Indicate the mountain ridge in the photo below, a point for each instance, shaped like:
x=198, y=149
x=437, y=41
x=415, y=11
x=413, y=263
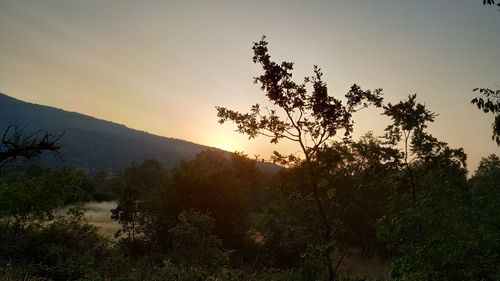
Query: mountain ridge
x=91, y=143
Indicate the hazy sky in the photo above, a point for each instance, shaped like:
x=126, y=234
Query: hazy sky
x=162, y=66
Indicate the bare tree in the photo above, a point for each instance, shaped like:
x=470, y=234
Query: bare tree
x=15, y=143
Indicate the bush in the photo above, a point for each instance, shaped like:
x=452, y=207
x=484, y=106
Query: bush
x=194, y=243
x=65, y=249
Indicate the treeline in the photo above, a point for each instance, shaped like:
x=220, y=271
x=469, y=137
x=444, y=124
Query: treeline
x=218, y=216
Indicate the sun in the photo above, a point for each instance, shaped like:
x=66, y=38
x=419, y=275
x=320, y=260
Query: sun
x=226, y=142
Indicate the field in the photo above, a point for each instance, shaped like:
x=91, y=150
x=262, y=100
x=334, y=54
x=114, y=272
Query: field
x=99, y=214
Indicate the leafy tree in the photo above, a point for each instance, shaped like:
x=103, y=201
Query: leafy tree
x=33, y=238
x=139, y=185
x=35, y=194
x=432, y=221
x=152, y=199
x=354, y=177
x=486, y=192
x=194, y=244
x=490, y=103
x=487, y=174
x=358, y=177
x=218, y=183
x=307, y=115
x=485, y=215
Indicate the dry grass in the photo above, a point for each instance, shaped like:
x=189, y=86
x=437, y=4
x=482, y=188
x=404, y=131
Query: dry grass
x=99, y=214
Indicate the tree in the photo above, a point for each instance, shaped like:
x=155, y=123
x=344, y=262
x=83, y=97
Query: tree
x=485, y=190
x=490, y=103
x=434, y=222
x=358, y=176
x=353, y=177
x=490, y=100
x=303, y=113
x=139, y=186
x=194, y=243
x=152, y=198
x=15, y=144
x=491, y=3
x=34, y=195
x=217, y=183
x=35, y=237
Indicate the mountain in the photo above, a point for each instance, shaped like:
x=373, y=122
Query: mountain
x=92, y=144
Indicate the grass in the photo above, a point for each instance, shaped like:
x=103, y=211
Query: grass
x=99, y=214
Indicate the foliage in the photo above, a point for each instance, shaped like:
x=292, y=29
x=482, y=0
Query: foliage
x=484, y=213
x=138, y=187
x=312, y=116
x=64, y=249
x=220, y=184
x=354, y=177
x=193, y=242
x=303, y=113
x=490, y=103
x=152, y=200
x=491, y=2
x=101, y=187
x=285, y=241
x=36, y=193
x=357, y=176
x=431, y=218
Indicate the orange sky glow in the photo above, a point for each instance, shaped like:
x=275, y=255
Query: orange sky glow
x=163, y=66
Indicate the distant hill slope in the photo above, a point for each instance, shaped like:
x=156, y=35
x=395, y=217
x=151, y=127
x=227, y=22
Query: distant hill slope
x=92, y=144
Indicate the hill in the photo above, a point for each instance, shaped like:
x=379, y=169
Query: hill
x=92, y=144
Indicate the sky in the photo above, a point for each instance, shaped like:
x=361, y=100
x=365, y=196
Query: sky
x=163, y=66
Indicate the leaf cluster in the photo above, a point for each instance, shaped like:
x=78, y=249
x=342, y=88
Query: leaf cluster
x=490, y=103
x=491, y=2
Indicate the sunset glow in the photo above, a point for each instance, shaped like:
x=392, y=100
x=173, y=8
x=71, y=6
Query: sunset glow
x=227, y=143
x=163, y=66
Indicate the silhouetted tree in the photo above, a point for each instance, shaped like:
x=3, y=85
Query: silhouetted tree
x=217, y=183
x=151, y=199
x=491, y=3
x=139, y=187
x=307, y=116
x=489, y=102
x=358, y=176
x=16, y=144
x=486, y=194
x=434, y=220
